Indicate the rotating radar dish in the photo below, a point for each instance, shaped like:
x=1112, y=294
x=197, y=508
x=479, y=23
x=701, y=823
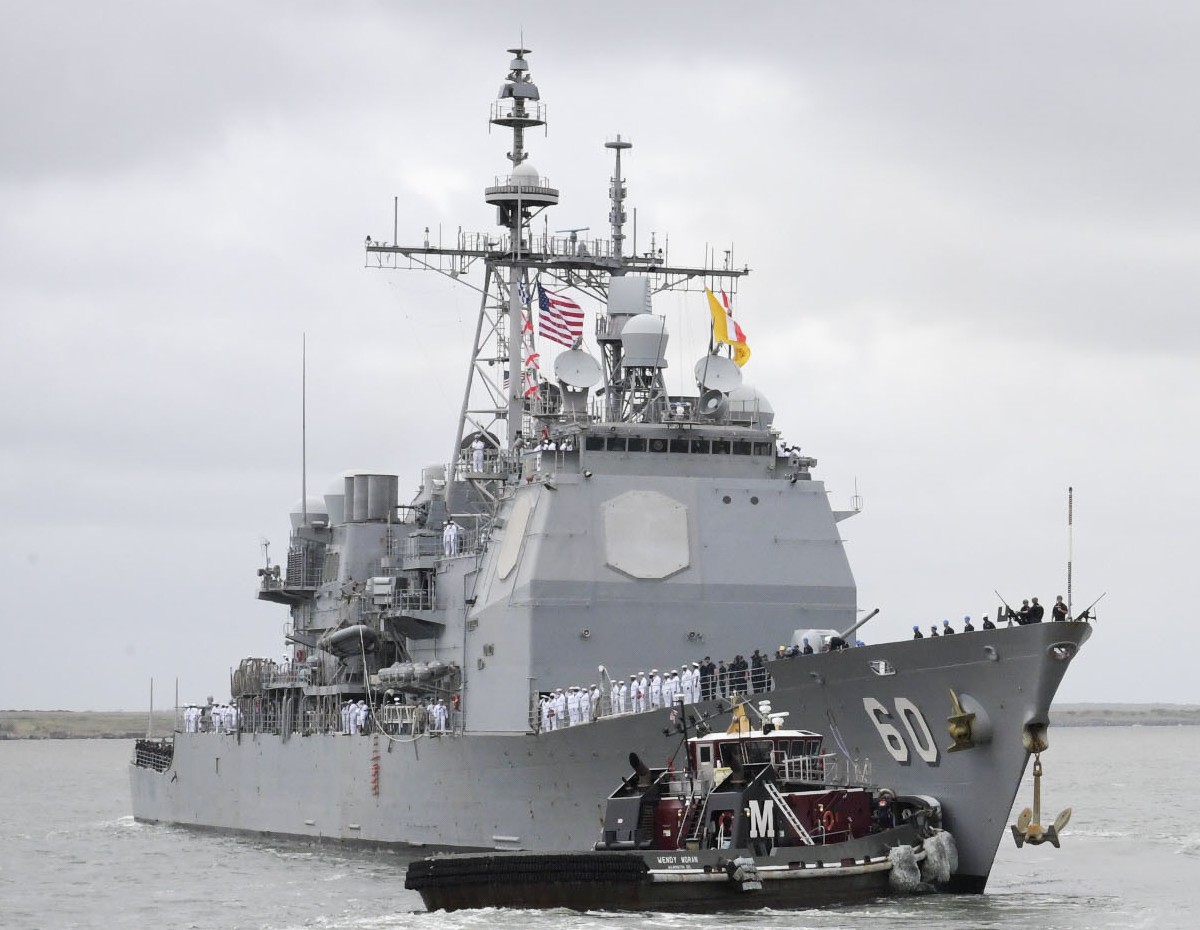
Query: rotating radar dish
x=716, y=372
x=576, y=368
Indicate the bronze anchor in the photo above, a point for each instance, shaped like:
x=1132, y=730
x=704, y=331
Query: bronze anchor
x=960, y=724
x=1028, y=828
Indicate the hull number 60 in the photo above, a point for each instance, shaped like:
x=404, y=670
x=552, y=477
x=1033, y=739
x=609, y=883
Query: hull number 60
x=909, y=716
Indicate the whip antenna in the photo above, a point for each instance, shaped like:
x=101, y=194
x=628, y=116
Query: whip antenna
x=1070, y=542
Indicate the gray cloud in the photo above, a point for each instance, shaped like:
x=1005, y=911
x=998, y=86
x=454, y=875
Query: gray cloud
x=973, y=233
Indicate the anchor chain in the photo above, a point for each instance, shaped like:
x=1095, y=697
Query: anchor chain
x=1028, y=828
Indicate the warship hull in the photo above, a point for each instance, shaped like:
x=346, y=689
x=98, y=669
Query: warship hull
x=594, y=520
x=478, y=791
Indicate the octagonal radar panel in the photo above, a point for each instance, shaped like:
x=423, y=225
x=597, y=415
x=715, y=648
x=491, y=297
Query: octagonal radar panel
x=576, y=369
x=716, y=372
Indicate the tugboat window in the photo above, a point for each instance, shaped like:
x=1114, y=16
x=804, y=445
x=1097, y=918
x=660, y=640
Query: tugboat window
x=616, y=444
x=679, y=445
x=742, y=447
x=700, y=447
x=720, y=447
x=594, y=444
x=637, y=444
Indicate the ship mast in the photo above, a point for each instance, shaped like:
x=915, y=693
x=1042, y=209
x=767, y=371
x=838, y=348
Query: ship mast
x=494, y=397
x=518, y=198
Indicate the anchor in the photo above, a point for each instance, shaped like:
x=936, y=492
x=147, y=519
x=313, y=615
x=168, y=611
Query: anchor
x=960, y=726
x=1028, y=828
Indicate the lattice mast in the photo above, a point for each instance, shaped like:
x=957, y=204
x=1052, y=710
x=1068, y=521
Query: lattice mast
x=517, y=200
x=509, y=262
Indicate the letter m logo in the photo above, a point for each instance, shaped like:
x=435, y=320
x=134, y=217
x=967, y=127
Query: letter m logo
x=762, y=819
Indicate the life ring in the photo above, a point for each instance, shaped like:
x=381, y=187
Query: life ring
x=299, y=655
x=828, y=820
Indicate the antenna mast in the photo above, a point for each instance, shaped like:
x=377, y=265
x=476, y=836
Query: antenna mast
x=304, y=428
x=617, y=193
x=1070, y=543
x=517, y=199
x=494, y=396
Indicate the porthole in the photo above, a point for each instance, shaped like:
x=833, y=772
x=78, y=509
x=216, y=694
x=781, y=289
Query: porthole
x=754, y=500
x=726, y=499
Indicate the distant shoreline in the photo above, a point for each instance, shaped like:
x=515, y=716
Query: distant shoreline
x=99, y=724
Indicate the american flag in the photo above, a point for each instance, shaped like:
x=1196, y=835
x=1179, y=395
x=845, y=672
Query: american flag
x=560, y=319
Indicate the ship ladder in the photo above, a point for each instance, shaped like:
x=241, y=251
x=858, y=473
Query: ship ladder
x=644, y=834
x=693, y=822
x=788, y=814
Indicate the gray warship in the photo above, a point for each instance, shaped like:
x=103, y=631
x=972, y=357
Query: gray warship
x=586, y=527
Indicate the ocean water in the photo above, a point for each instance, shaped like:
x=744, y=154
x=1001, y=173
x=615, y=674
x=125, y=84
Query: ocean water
x=71, y=856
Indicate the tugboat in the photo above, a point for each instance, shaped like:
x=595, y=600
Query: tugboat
x=758, y=819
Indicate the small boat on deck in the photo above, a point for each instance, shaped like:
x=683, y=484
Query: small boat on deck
x=761, y=817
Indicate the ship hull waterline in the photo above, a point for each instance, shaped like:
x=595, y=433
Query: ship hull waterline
x=885, y=706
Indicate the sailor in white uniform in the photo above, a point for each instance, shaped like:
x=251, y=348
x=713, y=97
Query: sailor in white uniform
x=579, y=711
x=685, y=683
x=670, y=686
x=564, y=712
x=695, y=682
x=614, y=696
x=477, y=454
x=656, y=689
x=450, y=537
x=595, y=702
x=572, y=706
x=622, y=705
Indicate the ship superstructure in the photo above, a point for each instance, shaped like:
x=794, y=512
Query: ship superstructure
x=586, y=526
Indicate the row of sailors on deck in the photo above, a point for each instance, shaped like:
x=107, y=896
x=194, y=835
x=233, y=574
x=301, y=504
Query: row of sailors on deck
x=547, y=443
x=432, y=716
x=575, y=705
x=223, y=718
x=569, y=708
x=354, y=716
x=948, y=630
x=644, y=693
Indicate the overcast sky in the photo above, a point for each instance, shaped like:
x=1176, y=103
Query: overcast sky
x=974, y=231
